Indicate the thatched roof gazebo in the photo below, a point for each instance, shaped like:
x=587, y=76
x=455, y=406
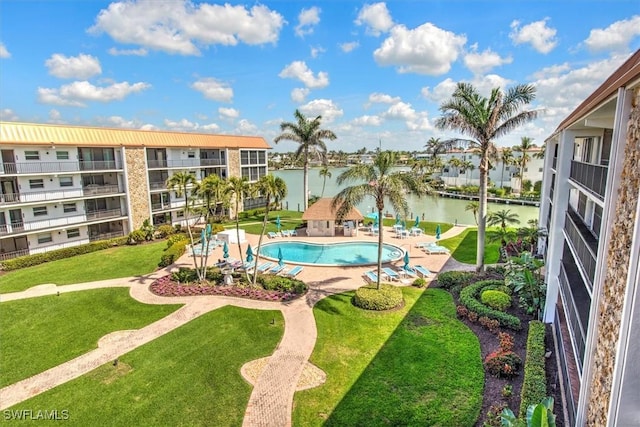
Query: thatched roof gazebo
x=321, y=219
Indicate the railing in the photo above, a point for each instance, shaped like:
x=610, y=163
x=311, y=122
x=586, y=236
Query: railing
x=56, y=167
x=98, y=165
x=159, y=185
x=160, y=206
x=572, y=314
x=105, y=236
x=15, y=254
x=593, y=177
x=586, y=255
x=212, y=162
x=92, y=190
x=43, y=196
x=107, y=213
x=554, y=162
x=183, y=163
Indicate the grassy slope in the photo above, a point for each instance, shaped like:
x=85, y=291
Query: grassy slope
x=414, y=366
x=190, y=376
x=464, y=247
x=40, y=333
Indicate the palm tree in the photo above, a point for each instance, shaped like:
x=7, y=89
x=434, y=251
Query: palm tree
x=484, y=120
x=526, y=144
x=456, y=164
x=466, y=166
x=377, y=180
x=238, y=188
x=324, y=173
x=212, y=190
x=506, y=158
x=181, y=182
x=501, y=234
x=474, y=207
x=270, y=187
x=503, y=218
x=308, y=134
x=531, y=234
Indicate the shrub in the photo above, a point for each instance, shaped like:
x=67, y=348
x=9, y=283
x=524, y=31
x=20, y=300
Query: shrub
x=216, y=228
x=449, y=279
x=36, y=259
x=503, y=364
x=176, y=238
x=507, y=390
x=493, y=418
x=283, y=284
x=462, y=311
x=468, y=298
x=472, y=316
x=184, y=275
x=165, y=230
x=214, y=275
x=419, y=282
x=385, y=298
x=496, y=269
x=495, y=299
x=506, y=341
x=136, y=236
x=172, y=253
x=534, y=385
x=491, y=324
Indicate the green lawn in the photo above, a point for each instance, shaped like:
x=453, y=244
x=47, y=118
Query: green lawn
x=464, y=247
x=40, y=333
x=122, y=261
x=188, y=377
x=415, y=366
x=253, y=224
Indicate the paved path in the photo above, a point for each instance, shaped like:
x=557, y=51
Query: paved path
x=271, y=401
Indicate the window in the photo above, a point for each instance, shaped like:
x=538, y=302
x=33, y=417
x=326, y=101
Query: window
x=44, y=238
x=69, y=207
x=180, y=214
x=40, y=211
x=74, y=232
x=66, y=181
x=32, y=155
x=62, y=155
x=191, y=154
x=36, y=183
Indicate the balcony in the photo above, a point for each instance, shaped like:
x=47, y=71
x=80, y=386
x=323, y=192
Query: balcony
x=98, y=165
x=106, y=236
x=53, y=195
x=30, y=168
x=180, y=163
x=15, y=254
x=160, y=206
x=158, y=185
x=554, y=161
x=593, y=177
x=95, y=190
x=105, y=213
x=576, y=305
x=212, y=162
x=584, y=244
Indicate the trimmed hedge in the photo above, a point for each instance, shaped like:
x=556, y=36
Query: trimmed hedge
x=449, y=279
x=271, y=282
x=495, y=299
x=173, y=252
x=370, y=298
x=37, y=259
x=469, y=298
x=534, y=385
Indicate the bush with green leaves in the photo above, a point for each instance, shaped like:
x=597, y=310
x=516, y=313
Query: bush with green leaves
x=172, y=253
x=385, y=298
x=271, y=282
x=136, y=236
x=184, y=275
x=537, y=415
x=165, y=230
x=495, y=299
x=503, y=364
x=420, y=282
x=534, y=386
x=450, y=279
x=176, y=238
x=469, y=298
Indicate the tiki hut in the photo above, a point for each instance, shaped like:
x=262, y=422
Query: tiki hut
x=322, y=220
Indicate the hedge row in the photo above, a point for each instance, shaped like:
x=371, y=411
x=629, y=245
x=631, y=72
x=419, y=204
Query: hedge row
x=449, y=279
x=173, y=252
x=469, y=298
x=36, y=259
x=534, y=385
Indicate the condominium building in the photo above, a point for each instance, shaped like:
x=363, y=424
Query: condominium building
x=63, y=186
x=590, y=207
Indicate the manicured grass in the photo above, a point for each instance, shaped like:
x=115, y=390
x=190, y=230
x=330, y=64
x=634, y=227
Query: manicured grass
x=464, y=247
x=188, y=377
x=40, y=333
x=415, y=366
x=122, y=261
x=253, y=224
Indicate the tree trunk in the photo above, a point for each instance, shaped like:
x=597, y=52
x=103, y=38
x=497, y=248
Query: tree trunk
x=186, y=207
x=502, y=176
x=306, y=180
x=482, y=214
x=264, y=227
x=380, y=242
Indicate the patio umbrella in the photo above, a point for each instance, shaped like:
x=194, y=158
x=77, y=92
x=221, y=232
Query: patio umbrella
x=225, y=250
x=249, y=254
x=280, y=262
x=404, y=225
x=278, y=222
x=406, y=260
x=438, y=232
x=417, y=223
x=372, y=215
x=397, y=218
x=202, y=236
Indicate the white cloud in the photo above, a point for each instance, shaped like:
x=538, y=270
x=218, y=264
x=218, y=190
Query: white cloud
x=55, y=116
x=76, y=94
x=322, y=107
x=8, y=115
x=484, y=84
x=306, y=20
x=348, y=47
x=4, y=53
x=245, y=127
x=214, y=89
x=367, y=120
x=412, y=119
x=616, y=36
x=542, y=38
x=480, y=63
x=185, y=125
x=426, y=49
x=376, y=18
x=316, y=51
x=382, y=98
x=121, y=122
x=228, y=113
x=299, y=94
x=128, y=52
x=176, y=27
x=299, y=70
x=73, y=67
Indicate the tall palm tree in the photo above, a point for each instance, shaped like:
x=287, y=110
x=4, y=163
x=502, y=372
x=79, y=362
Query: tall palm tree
x=531, y=234
x=506, y=158
x=485, y=120
x=238, y=188
x=526, y=144
x=310, y=136
x=380, y=181
x=324, y=173
x=456, y=164
x=467, y=166
x=212, y=190
x=181, y=183
x=271, y=188
x=473, y=207
x=503, y=218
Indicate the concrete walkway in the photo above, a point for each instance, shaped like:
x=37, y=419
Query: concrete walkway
x=271, y=401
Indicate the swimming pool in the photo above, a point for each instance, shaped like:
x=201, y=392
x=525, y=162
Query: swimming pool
x=340, y=253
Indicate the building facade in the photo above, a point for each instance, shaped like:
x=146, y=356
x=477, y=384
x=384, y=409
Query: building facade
x=590, y=207
x=63, y=186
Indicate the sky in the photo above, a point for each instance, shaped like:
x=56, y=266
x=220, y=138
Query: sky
x=376, y=73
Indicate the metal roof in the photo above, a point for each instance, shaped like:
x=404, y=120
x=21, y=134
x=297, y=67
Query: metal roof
x=46, y=134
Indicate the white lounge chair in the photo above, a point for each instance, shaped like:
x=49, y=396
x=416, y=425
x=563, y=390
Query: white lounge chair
x=370, y=276
x=422, y=271
x=294, y=271
x=277, y=269
x=435, y=249
x=391, y=274
x=272, y=234
x=293, y=232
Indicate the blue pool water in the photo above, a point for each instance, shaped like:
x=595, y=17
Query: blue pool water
x=342, y=253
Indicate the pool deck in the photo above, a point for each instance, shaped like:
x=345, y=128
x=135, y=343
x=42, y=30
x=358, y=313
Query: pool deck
x=271, y=400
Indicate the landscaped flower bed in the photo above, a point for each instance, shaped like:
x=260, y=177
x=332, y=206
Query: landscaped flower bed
x=166, y=287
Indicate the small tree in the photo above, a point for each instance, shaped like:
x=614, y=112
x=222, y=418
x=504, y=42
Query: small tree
x=473, y=207
x=238, y=188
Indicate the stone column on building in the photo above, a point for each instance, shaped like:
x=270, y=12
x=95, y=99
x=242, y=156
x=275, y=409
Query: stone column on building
x=137, y=186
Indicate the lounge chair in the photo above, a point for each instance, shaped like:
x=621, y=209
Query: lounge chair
x=294, y=271
x=277, y=269
x=272, y=234
x=391, y=274
x=424, y=244
x=264, y=266
x=370, y=276
x=408, y=272
x=422, y=271
x=285, y=233
x=435, y=249
x=293, y=232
